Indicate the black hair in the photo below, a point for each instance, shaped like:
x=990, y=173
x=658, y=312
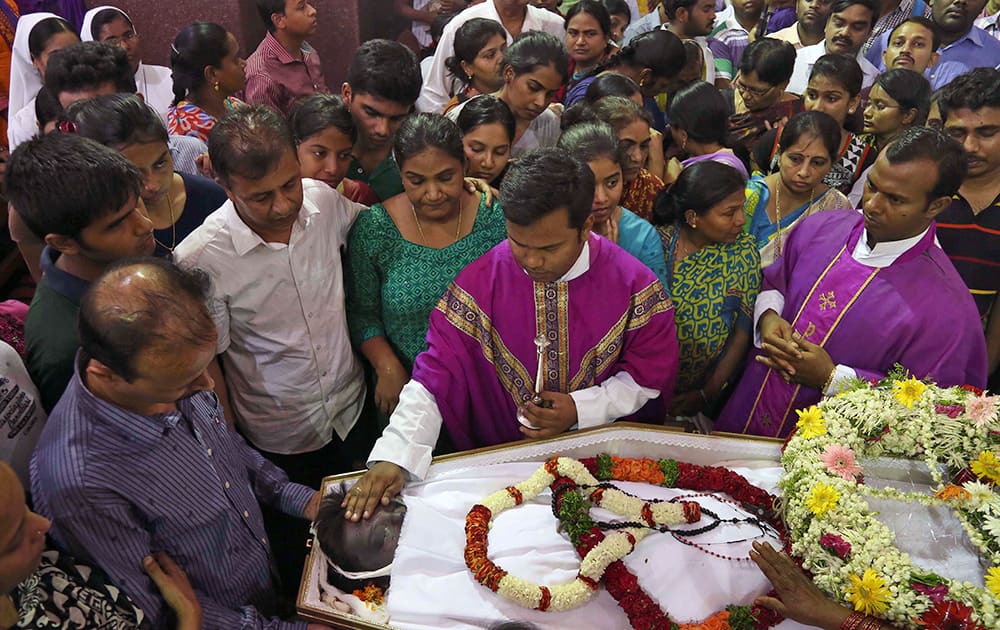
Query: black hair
x=543, y=181
x=196, y=47
x=470, y=38
x=88, y=65
x=699, y=187
x=875, y=6
x=660, y=51
x=772, y=59
x=817, y=124
x=618, y=7
x=908, y=88
x=61, y=183
x=484, y=110
x=620, y=112
x=927, y=23
x=670, y=7
x=423, y=131
x=47, y=108
x=610, y=84
x=117, y=121
x=589, y=141
x=534, y=49
x=842, y=68
x=596, y=10
x=163, y=309
x=385, y=69
x=103, y=18
x=317, y=112
x=42, y=32
x=924, y=143
x=267, y=8
x=976, y=89
x=700, y=110
x=248, y=142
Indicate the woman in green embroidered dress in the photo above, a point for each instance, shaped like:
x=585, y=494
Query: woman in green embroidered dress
x=713, y=273
x=403, y=254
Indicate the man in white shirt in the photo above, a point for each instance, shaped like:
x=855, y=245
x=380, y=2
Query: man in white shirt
x=693, y=19
x=273, y=252
x=847, y=30
x=516, y=16
x=553, y=328
x=811, y=17
x=856, y=295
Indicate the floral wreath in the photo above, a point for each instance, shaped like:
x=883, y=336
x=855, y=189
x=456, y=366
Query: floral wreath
x=601, y=553
x=852, y=555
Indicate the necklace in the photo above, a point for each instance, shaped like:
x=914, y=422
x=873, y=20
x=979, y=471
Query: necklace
x=777, y=214
x=173, y=227
x=423, y=239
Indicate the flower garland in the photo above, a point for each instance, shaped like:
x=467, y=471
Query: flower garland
x=851, y=554
x=601, y=552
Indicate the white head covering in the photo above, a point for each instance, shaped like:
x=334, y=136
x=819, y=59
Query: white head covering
x=24, y=78
x=88, y=19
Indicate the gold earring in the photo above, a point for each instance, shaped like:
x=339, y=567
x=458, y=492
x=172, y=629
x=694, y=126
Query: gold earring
x=216, y=86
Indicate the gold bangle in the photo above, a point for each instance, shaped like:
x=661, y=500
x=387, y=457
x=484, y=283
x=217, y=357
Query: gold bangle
x=829, y=380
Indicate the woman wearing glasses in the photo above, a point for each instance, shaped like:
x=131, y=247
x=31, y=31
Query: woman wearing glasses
x=758, y=99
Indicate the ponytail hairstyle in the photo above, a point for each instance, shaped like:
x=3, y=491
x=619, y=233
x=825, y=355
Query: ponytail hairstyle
x=196, y=47
x=589, y=141
x=698, y=188
x=470, y=38
x=700, y=110
x=660, y=51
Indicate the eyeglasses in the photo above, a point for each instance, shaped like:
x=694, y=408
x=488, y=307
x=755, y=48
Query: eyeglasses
x=124, y=39
x=746, y=89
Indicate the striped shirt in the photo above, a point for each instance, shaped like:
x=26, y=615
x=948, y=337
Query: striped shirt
x=276, y=78
x=118, y=486
x=972, y=242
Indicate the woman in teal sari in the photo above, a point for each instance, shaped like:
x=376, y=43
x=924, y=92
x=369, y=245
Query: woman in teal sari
x=776, y=203
x=713, y=276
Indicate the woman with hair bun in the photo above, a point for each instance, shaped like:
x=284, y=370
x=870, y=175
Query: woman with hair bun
x=207, y=72
x=479, y=48
x=713, y=276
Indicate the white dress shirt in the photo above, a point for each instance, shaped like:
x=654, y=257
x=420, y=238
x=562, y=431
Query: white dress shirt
x=279, y=310
x=436, y=91
x=415, y=425
x=805, y=59
x=880, y=256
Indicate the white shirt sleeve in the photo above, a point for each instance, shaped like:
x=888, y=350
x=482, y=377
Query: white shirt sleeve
x=772, y=299
x=412, y=433
x=434, y=93
x=617, y=397
x=841, y=373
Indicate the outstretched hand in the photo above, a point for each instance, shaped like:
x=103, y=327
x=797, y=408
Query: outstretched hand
x=800, y=599
x=381, y=483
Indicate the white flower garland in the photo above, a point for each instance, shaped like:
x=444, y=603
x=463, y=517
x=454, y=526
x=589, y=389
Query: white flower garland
x=615, y=546
x=945, y=428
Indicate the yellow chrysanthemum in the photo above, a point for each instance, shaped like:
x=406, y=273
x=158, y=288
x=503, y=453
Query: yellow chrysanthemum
x=868, y=593
x=822, y=499
x=993, y=581
x=909, y=391
x=810, y=423
x=987, y=466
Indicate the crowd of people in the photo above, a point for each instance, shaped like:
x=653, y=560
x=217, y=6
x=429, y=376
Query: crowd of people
x=709, y=215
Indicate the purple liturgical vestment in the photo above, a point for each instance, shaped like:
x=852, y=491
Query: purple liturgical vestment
x=914, y=313
x=481, y=357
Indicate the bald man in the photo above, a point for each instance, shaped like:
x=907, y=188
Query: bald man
x=136, y=458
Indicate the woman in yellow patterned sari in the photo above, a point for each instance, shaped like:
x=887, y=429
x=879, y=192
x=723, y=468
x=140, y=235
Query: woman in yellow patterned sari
x=713, y=271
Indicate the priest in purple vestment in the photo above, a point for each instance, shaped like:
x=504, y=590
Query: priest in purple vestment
x=599, y=319
x=853, y=295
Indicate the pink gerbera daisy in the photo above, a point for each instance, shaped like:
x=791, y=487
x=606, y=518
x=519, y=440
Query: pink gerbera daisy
x=840, y=461
x=982, y=409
